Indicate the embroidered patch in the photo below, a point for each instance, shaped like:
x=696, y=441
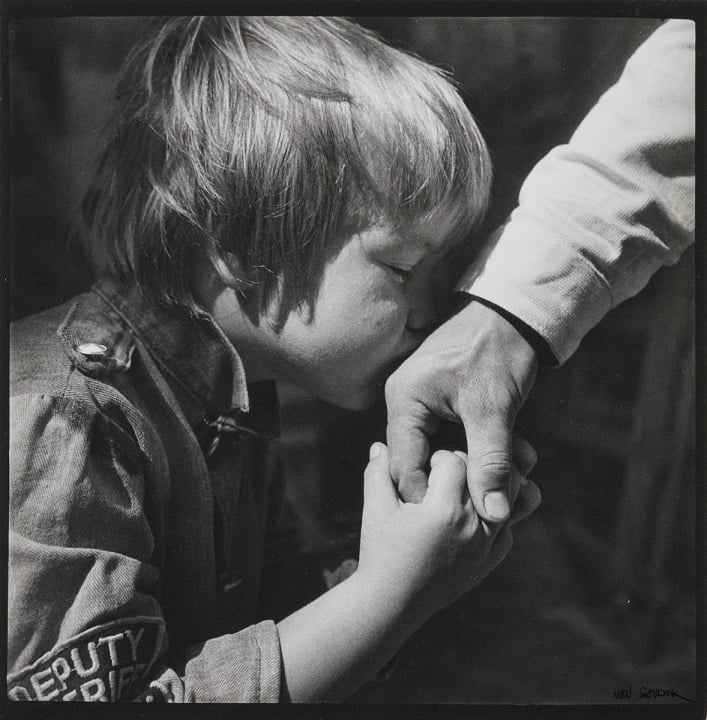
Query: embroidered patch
x=106, y=663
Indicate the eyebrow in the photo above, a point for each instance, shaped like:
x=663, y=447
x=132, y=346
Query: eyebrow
x=449, y=245
x=424, y=244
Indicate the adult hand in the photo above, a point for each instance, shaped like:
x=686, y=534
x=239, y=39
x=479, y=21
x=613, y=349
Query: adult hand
x=475, y=368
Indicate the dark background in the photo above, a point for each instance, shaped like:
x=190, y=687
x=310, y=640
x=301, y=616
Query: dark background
x=598, y=592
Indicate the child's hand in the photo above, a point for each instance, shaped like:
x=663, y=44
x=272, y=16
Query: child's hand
x=414, y=560
x=432, y=552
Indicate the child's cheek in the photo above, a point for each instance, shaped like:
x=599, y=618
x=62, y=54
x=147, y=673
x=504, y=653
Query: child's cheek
x=376, y=301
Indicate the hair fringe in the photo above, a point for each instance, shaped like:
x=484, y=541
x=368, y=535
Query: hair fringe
x=266, y=139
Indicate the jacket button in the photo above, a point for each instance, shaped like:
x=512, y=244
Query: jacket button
x=91, y=349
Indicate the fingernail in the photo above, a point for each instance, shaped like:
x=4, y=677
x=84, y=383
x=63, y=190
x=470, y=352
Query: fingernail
x=375, y=451
x=496, y=505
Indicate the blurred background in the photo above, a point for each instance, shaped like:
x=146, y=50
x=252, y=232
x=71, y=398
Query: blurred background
x=598, y=592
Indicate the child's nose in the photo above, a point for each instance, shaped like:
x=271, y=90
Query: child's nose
x=424, y=315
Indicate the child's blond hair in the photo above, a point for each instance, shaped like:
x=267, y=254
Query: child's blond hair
x=261, y=139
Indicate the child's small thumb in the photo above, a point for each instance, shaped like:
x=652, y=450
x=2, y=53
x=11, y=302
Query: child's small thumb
x=375, y=450
x=379, y=491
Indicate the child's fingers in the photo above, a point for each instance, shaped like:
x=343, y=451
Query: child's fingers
x=527, y=502
x=379, y=494
x=447, y=480
x=524, y=455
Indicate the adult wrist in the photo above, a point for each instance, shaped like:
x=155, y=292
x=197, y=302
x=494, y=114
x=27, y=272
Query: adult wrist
x=539, y=345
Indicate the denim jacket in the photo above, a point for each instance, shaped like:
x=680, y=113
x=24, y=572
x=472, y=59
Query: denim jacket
x=135, y=556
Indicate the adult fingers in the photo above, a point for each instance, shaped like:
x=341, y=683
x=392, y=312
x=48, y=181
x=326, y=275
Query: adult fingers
x=524, y=455
x=500, y=547
x=527, y=502
x=410, y=424
x=516, y=481
x=379, y=495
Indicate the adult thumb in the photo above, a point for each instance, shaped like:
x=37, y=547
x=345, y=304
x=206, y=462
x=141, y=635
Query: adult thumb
x=490, y=466
x=409, y=448
x=410, y=425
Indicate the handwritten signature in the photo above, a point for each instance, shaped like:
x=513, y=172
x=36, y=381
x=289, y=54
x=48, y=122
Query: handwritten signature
x=648, y=693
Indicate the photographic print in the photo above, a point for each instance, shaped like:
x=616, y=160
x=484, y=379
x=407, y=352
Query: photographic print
x=352, y=360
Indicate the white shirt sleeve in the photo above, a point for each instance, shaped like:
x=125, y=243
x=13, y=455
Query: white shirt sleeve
x=598, y=216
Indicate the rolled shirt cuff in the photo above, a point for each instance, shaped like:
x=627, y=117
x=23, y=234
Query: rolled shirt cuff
x=553, y=289
x=243, y=667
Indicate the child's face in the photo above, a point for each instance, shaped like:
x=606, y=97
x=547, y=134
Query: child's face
x=378, y=299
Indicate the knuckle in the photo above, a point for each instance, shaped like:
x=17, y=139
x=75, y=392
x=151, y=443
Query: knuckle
x=411, y=380
x=496, y=464
x=490, y=398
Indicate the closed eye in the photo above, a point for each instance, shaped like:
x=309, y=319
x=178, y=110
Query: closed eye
x=400, y=272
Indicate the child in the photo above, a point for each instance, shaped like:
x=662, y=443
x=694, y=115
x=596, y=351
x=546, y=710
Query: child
x=277, y=203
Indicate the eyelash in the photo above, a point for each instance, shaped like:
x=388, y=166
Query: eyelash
x=400, y=272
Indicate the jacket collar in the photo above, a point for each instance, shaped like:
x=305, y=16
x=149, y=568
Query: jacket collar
x=194, y=354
